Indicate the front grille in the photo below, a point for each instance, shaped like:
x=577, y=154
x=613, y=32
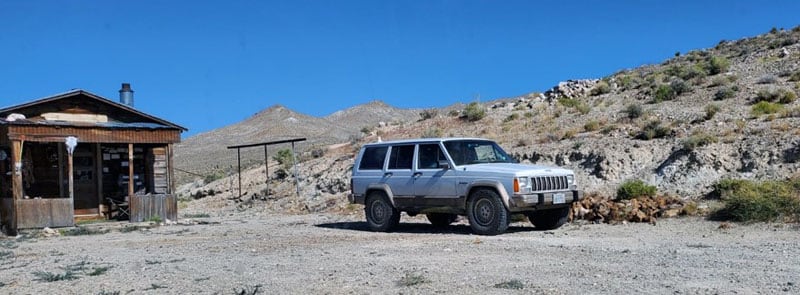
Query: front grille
x=549, y=183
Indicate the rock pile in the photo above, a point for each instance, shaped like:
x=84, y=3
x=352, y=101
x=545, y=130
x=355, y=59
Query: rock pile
x=571, y=89
x=643, y=209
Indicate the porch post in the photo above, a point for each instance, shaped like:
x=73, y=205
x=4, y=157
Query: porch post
x=130, y=171
x=16, y=182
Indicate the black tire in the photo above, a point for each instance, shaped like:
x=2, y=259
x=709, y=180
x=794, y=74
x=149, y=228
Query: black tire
x=381, y=215
x=549, y=219
x=487, y=214
x=441, y=219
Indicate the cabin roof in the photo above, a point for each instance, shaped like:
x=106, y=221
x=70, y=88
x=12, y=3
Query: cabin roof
x=78, y=100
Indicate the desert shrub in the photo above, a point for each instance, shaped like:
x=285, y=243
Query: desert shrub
x=765, y=108
x=432, y=132
x=717, y=64
x=592, y=125
x=791, y=113
x=781, y=95
x=366, y=129
x=633, y=111
x=725, y=92
x=679, y=86
x=511, y=285
x=747, y=200
x=697, y=140
x=631, y=189
x=795, y=77
x=608, y=129
x=767, y=79
x=46, y=276
x=663, y=92
x=411, y=279
x=285, y=158
x=652, y=130
x=511, y=117
x=719, y=81
x=428, y=114
x=474, y=112
x=711, y=110
x=568, y=102
x=602, y=87
x=583, y=108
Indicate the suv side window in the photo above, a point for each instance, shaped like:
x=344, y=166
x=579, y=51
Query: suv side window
x=373, y=158
x=401, y=157
x=429, y=156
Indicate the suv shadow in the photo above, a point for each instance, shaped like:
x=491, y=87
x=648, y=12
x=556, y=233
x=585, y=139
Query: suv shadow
x=417, y=228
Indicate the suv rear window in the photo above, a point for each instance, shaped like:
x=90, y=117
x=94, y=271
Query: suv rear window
x=402, y=157
x=373, y=158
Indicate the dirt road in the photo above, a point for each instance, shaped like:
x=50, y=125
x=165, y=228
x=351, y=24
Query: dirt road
x=334, y=254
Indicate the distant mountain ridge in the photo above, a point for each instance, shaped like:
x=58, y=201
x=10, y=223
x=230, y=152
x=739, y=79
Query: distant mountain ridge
x=278, y=122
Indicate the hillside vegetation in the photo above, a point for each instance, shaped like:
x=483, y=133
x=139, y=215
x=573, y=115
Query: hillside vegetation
x=727, y=112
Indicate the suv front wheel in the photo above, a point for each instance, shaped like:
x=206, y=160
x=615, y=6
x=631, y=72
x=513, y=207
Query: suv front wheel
x=486, y=212
x=381, y=215
x=549, y=219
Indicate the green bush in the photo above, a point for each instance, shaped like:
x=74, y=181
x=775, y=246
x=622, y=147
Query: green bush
x=679, y=86
x=432, y=132
x=602, y=87
x=795, y=77
x=747, y=200
x=711, y=110
x=474, y=112
x=284, y=157
x=427, y=114
x=765, y=108
x=716, y=65
x=652, y=130
x=664, y=92
x=591, y=125
x=725, y=92
x=511, y=117
x=631, y=189
x=698, y=140
x=568, y=102
x=633, y=111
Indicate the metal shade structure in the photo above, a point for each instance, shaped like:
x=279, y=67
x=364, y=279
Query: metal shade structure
x=266, y=160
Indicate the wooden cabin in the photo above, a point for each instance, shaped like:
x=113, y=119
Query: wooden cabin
x=122, y=157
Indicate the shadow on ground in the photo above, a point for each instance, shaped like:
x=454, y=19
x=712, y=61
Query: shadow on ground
x=418, y=228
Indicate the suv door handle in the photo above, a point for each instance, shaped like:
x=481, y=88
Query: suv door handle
x=417, y=174
x=387, y=174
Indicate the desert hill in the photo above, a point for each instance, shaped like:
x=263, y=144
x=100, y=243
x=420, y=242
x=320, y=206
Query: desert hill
x=730, y=111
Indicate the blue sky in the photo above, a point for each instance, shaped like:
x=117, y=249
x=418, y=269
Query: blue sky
x=207, y=64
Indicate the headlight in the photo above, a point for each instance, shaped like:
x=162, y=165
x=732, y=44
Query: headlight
x=522, y=185
x=570, y=179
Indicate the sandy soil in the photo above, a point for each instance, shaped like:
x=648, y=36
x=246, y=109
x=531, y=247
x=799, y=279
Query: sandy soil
x=335, y=254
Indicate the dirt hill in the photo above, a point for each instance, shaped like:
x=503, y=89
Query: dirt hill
x=730, y=111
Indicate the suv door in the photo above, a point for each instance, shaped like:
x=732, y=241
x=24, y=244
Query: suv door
x=399, y=174
x=435, y=184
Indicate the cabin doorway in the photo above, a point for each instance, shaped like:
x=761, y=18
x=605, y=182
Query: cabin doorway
x=85, y=179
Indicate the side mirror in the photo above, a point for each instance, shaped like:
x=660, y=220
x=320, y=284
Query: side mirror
x=444, y=164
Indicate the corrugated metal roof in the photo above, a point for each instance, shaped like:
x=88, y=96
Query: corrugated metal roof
x=135, y=125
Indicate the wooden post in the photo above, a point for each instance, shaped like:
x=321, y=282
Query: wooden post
x=16, y=183
x=170, y=171
x=239, y=161
x=70, y=176
x=130, y=172
x=98, y=178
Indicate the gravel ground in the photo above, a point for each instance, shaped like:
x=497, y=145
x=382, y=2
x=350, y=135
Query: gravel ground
x=330, y=253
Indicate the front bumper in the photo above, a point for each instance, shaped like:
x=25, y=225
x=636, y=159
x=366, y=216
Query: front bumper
x=545, y=199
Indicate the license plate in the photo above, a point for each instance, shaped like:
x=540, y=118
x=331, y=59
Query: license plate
x=559, y=198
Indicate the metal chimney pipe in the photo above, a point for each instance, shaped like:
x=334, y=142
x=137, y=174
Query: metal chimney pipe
x=126, y=95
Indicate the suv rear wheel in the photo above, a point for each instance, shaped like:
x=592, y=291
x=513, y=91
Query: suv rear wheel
x=486, y=212
x=549, y=219
x=441, y=219
x=381, y=215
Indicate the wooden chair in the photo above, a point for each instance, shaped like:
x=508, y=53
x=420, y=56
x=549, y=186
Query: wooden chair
x=119, y=209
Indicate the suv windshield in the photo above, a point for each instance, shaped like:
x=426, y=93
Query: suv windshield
x=465, y=152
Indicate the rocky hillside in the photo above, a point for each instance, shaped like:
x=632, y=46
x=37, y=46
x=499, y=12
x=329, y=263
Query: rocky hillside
x=725, y=112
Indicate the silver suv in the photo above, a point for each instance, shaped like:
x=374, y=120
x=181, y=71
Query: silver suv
x=447, y=177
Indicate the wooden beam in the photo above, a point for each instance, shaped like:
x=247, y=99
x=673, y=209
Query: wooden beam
x=130, y=171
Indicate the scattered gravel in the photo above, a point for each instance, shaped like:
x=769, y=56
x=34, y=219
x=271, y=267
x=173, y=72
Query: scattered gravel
x=329, y=253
